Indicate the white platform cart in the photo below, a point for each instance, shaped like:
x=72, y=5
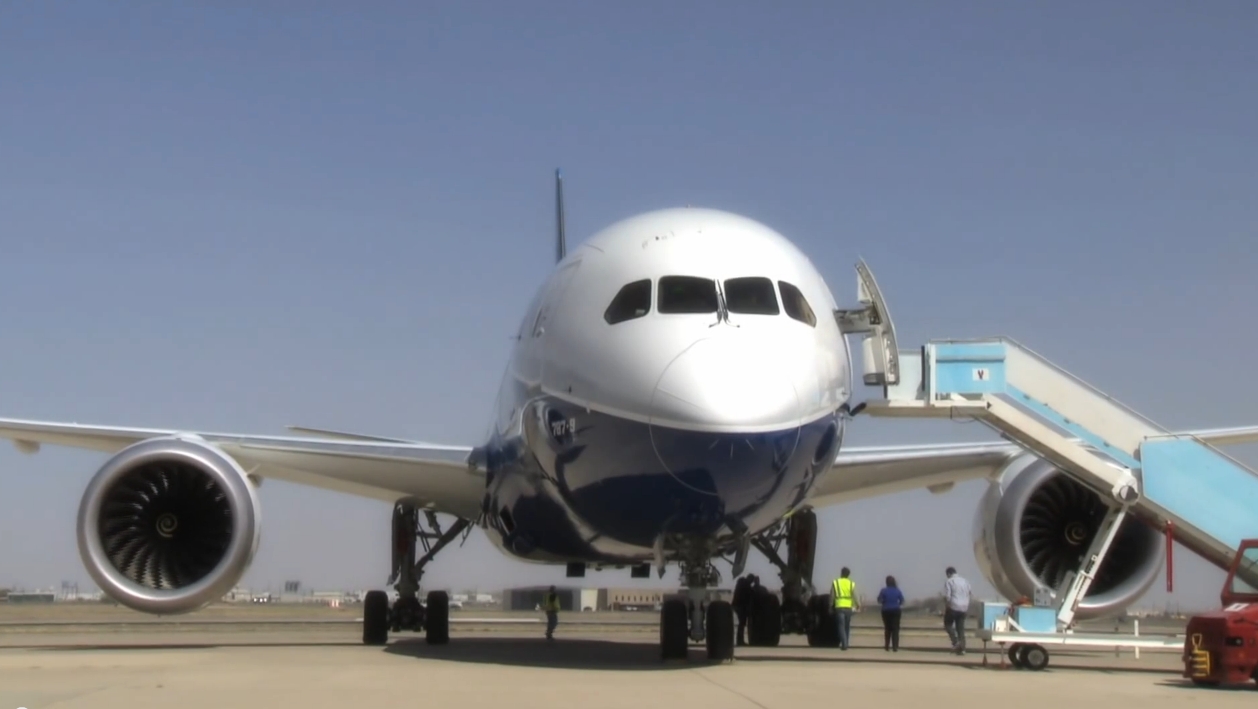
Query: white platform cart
x=1024, y=633
x=1027, y=648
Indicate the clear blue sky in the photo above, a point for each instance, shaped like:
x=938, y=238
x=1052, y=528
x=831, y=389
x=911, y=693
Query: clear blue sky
x=234, y=216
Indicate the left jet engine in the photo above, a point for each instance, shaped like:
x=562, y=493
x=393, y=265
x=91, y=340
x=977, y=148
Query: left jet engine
x=168, y=525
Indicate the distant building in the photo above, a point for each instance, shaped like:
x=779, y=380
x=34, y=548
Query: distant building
x=332, y=598
x=636, y=599
x=473, y=598
x=650, y=599
x=592, y=599
x=32, y=597
x=597, y=599
x=530, y=598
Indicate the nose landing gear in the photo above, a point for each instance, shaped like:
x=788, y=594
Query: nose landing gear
x=800, y=610
x=696, y=618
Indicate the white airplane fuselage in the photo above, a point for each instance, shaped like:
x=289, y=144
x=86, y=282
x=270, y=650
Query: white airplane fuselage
x=641, y=411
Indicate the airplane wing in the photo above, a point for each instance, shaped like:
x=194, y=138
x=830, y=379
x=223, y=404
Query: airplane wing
x=447, y=478
x=861, y=472
x=444, y=477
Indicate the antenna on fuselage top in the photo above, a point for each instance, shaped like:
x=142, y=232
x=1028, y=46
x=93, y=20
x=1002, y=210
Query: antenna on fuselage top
x=561, y=244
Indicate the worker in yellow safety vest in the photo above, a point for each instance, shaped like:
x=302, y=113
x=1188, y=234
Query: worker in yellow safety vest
x=843, y=594
x=550, y=604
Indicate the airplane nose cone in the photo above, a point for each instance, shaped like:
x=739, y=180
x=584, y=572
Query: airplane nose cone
x=725, y=423
x=726, y=385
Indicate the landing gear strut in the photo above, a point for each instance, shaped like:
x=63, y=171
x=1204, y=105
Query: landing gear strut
x=407, y=612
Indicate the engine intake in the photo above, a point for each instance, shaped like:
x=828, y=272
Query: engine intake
x=1034, y=527
x=168, y=525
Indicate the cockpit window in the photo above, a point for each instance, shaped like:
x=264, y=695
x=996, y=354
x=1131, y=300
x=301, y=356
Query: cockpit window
x=687, y=294
x=795, y=305
x=751, y=295
x=633, y=301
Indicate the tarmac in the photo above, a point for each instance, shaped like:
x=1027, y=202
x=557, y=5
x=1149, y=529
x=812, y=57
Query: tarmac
x=284, y=662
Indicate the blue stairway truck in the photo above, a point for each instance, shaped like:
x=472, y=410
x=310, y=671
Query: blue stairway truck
x=1195, y=482
x=1210, y=499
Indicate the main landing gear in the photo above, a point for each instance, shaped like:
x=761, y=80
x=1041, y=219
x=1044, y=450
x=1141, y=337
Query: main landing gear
x=802, y=610
x=407, y=613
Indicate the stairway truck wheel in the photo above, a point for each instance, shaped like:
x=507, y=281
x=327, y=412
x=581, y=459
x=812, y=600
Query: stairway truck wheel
x=720, y=631
x=437, y=618
x=766, y=618
x=376, y=618
x=1015, y=655
x=674, y=630
x=1034, y=657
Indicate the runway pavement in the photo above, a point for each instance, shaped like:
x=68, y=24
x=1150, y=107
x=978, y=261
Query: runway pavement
x=324, y=665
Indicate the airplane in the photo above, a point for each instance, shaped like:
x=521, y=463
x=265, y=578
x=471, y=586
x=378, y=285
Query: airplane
x=678, y=393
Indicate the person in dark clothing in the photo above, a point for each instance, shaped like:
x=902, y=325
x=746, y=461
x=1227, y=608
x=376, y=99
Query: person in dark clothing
x=742, y=604
x=891, y=599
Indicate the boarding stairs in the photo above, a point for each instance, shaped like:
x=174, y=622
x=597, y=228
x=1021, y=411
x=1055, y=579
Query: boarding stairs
x=1178, y=483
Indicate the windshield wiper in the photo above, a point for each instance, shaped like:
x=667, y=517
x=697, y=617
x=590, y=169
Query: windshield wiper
x=722, y=308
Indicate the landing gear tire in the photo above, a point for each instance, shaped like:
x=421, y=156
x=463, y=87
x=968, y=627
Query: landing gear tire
x=437, y=620
x=720, y=631
x=821, y=629
x=376, y=618
x=674, y=630
x=764, y=627
x=1033, y=657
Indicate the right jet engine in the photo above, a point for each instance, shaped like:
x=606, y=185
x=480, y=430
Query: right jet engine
x=1034, y=526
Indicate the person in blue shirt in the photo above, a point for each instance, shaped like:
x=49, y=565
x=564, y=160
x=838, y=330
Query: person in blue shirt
x=891, y=600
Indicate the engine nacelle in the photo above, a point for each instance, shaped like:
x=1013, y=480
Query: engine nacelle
x=1035, y=525
x=168, y=525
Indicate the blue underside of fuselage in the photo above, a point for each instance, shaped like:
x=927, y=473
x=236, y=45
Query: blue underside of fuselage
x=599, y=488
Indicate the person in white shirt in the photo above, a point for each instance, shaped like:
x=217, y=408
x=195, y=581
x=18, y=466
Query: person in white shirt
x=956, y=607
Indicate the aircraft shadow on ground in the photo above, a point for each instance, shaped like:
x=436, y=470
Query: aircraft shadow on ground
x=634, y=655
x=124, y=646
x=631, y=655
x=573, y=654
